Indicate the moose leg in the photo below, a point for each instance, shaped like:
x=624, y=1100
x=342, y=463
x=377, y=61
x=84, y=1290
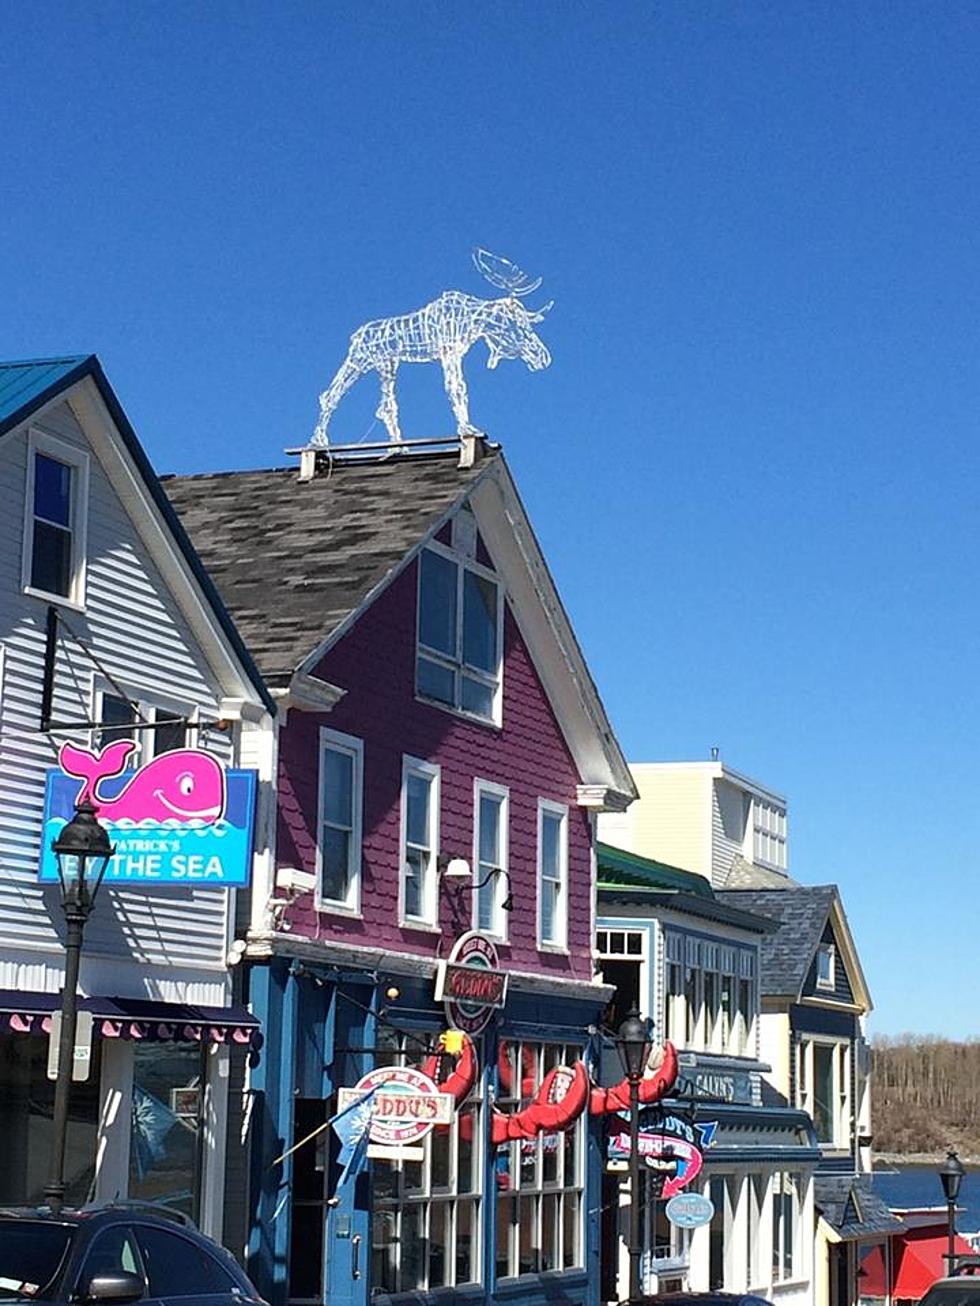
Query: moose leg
x=388, y=408
x=455, y=383
x=347, y=374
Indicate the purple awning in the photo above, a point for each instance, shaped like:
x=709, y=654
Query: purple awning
x=132, y=1018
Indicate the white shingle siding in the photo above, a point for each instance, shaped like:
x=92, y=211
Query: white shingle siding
x=137, y=631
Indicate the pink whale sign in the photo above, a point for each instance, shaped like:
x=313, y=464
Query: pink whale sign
x=183, y=819
x=185, y=785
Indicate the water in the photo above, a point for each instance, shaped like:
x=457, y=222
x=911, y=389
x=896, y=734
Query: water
x=919, y=1185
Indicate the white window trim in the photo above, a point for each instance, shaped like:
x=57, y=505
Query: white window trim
x=354, y=748
x=499, y=929
x=546, y=805
x=463, y=564
x=148, y=705
x=430, y=920
x=841, y=1106
x=827, y=985
x=40, y=442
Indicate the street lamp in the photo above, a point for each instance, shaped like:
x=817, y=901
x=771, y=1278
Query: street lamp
x=634, y=1049
x=951, y=1174
x=82, y=850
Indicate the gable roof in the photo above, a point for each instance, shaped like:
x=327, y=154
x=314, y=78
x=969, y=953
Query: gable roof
x=293, y=560
x=802, y=912
x=852, y=1207
x=297, y=562
x=28, y=387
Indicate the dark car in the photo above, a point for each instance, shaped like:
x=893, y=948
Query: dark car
x=961, y=1290
x=703, y=1299
x=117, y=1253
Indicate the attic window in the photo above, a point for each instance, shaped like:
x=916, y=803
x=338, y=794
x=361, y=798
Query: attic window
x=825, y=966
x=54, y=519
x=459, y=634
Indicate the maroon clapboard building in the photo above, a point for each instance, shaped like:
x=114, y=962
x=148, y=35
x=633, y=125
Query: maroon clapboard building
x=442, y=754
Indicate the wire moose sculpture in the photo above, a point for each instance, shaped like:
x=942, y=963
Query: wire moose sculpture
x=443, y=331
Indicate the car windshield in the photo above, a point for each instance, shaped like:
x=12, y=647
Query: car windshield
x=30, y=1253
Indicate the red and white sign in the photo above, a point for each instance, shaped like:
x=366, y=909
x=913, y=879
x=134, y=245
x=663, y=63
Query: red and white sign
x=405, y=1107
x=471, y=984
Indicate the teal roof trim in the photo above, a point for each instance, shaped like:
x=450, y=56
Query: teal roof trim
x=620, y=869
x=27, y=386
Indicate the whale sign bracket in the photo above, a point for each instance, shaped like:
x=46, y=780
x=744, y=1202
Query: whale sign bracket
x=53, y=621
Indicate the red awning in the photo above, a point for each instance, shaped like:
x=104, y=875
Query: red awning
x=917, y=1262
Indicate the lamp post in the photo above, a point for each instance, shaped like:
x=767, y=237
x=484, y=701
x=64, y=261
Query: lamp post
x=951, y=1174
x=82, y=850
x=633, y=1044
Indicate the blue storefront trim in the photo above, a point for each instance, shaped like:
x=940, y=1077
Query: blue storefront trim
x=320, y=1034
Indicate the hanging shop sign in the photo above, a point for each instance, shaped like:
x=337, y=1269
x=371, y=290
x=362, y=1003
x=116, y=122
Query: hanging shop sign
x=672, y=1142
x=690, y=1210
x=182, y=819
x=470, y=983
x=405, y=1106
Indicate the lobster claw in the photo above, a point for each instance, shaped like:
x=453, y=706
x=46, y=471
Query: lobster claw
x=556, y=1106
x=656, y=1083
x=462, y=1077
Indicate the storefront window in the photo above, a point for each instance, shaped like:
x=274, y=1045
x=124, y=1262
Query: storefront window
x=785, y=1220
x=426, y=1214
x=538, y=1180
x=26, y=1107
x=165, y=1142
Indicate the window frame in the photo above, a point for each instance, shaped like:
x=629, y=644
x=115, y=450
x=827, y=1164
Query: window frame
x=787, y=1198
x=353, y=747
x=498, y=929
x=548, y=807
x=456, y=664
x=525, y=1162
x=147, y=707
x=829, y=951
x=50, y=446
x=401, y=1048
x=769, y=834
x=840, y=1087
x=432, y=772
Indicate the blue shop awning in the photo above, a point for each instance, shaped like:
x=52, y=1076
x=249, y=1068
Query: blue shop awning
x=133, y=1018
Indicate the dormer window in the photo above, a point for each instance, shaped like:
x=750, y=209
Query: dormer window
x=459, y=630
x=826, y=960
x=54, y=520
x=769, y=834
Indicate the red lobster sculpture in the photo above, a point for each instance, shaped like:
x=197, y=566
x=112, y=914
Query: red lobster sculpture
x=562, y=1097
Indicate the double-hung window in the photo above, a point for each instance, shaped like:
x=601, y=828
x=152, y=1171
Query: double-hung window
x=419, y=842
x=823, y=1076
x=157, y=729
x=54, y=519
x=786, y=1204
x=459, y=632
x=552, y=874
x=339, y=844
x=490, y=808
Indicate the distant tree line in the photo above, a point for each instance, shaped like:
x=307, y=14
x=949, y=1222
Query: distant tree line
x=925, y=1094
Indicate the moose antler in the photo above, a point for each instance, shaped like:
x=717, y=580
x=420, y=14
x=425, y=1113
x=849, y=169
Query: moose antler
x=504, y=274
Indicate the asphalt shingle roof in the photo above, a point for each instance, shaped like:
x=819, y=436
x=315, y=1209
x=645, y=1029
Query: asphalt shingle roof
x=293, y=559
x=850, y=1204
x=801, y=912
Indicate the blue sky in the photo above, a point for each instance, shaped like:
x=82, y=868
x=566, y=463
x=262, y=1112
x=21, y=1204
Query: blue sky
x=753, y=464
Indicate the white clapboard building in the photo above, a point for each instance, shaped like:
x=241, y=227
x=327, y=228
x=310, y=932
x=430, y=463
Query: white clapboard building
x=110, y=631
